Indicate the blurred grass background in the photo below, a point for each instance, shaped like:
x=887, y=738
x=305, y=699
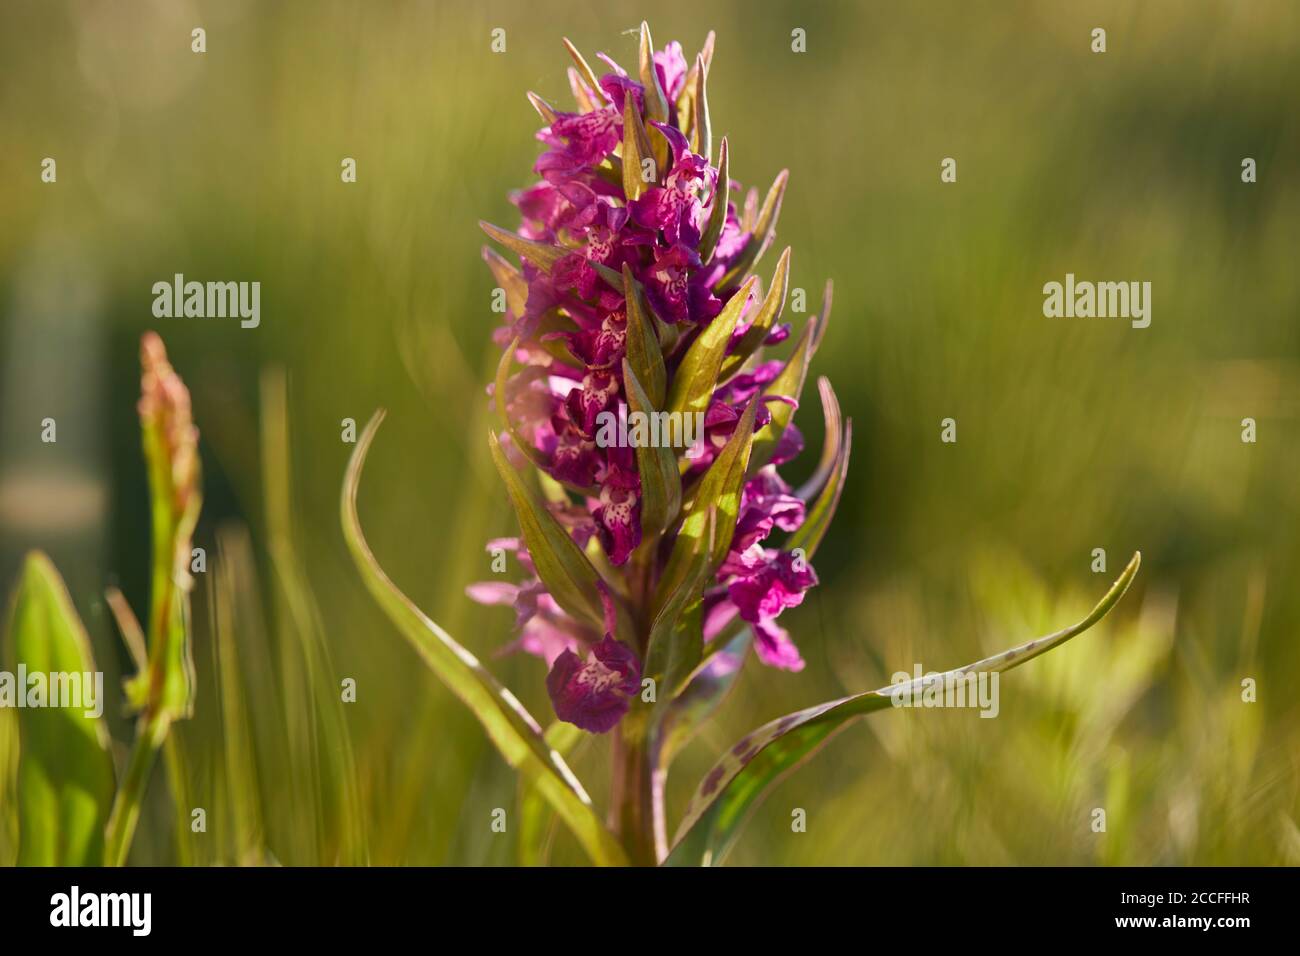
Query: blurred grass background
x=1072, y=434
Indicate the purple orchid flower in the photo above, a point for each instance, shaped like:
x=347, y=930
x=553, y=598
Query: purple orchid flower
x=594, y=693
x=681, y=241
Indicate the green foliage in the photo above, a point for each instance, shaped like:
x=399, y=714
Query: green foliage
x=65, y=768
x=511, y=728
x=746, y=772
x=697, y=376
x=560, y=563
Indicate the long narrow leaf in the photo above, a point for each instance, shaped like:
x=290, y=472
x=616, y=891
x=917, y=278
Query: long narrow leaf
x=719, y=489
x=676, y=635
x=584, y=70
x=718, y=213
x=656, y=103
x=643, y=351
x=764, y=232
x=769, y=313
x=509, y=278
x=808, y=535
x=701, y=128
x=536, y=817
x=678, y=720
x=636, y=148
x=560, y=563
x=511, y=728
x=789, y=383
x=747, y=772
x=661, y=485
x=697, y=376
x=685, y=105
x=541, y=254
x=834, y=435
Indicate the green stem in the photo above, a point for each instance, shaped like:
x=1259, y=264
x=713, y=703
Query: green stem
x=177, y=777
x=633, y=797
x=151, y=733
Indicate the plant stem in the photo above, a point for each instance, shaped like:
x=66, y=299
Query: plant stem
x=633, y=802
x=150, y=734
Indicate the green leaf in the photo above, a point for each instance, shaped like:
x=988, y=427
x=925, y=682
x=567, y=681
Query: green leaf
x=544, y=109
x=541, y=254
x=748, y=771
x=643, y=343
x=676, y=721
x=718, y=213
x=581, y=95
x=661, y=485
x=656, y=103
x=817, y=520
x=585, y=71
x=233, y=583
x=686, y=98
x=829, y=481
x=509, y=278
x=636, y=147
x=549, y=322
x=65, y=767
x=535, y=814
x=612, y=278
x=678, y=646
x=676, y=641
x=697, y=376
x=789, y=383
x=511, y=728
x=834, y=437
x=769, y=314
x=719, y=489
x=701, y=131
x=560, y=563
x=764, y=232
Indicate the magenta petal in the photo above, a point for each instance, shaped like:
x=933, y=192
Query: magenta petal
x=671, y=66
x=548, y=641
x=618, y=516
x=772, y=586
x=492, y=592
x=594, y=694
x=788, y=446
x=718, y=613
x=774, y=648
